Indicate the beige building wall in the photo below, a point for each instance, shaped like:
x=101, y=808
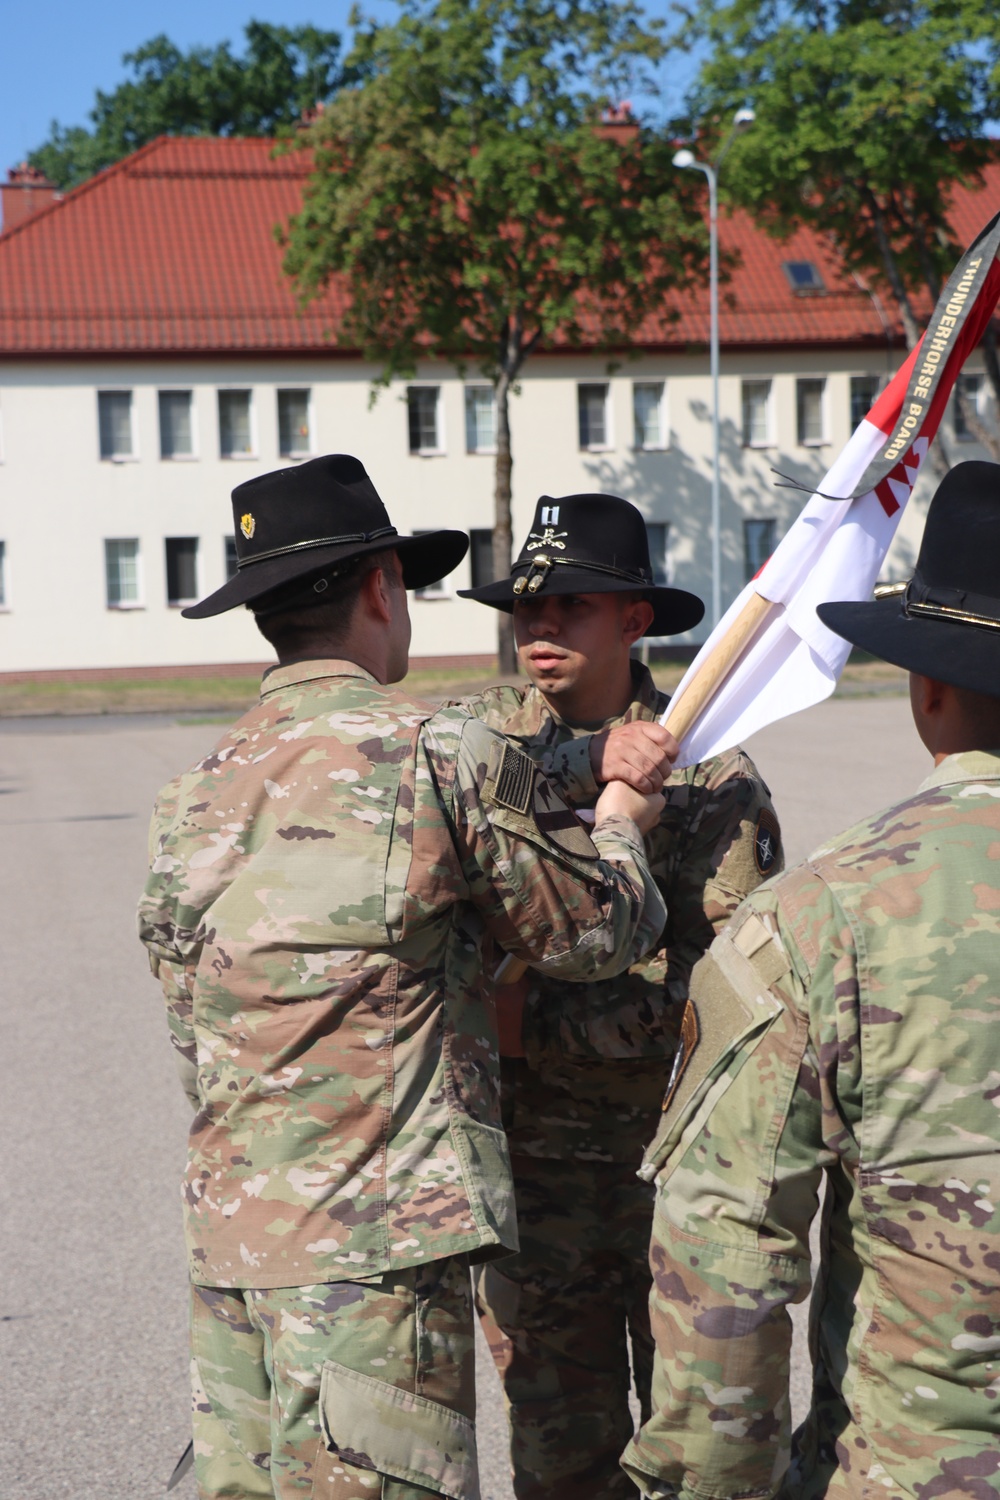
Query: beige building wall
x=60, y=501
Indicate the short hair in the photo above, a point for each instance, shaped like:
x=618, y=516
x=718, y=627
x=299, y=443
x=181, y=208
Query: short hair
x=291, y=617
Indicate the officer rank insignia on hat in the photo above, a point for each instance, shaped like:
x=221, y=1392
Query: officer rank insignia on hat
x=248, y=525
x=766, y=841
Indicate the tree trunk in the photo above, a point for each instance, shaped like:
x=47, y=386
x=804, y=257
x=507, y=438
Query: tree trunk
x=502, y=535
x=938, y=457
x=911, y=328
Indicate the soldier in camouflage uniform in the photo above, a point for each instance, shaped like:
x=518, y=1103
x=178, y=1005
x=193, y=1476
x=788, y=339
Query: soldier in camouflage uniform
x=582, y=1099
x=846, y=1026
x=329, y=892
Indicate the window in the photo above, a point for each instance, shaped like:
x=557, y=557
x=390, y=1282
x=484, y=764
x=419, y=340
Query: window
x=481, y=557
x=3, y=575
x=756, y=413
x=758, y=544
x=422, y=412
x=647, y=412
x=176, y=426
x=592, y=408
x=658, y=535
x=803, y=276
x=436, y=590
x=809, y=411
x=293, y=424
x=121, y=572
x=235, y=426
x=480, y=419
x=182, y=569
x=232, y=561
x=969, y=387
x=864, y=391
x=114, y=418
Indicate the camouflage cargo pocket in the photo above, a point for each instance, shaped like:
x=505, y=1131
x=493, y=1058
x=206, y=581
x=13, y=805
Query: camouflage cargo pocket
x=374, y=1431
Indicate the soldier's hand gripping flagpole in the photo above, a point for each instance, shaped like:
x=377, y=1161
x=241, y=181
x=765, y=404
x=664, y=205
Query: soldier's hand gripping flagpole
x=770, y=656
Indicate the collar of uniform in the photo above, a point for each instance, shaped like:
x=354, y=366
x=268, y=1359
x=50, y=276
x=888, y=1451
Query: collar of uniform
x=644, y=705
x=297, y=672
x=966, y=765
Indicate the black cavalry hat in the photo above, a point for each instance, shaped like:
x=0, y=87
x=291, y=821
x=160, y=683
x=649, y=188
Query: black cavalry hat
x=589, y=544
x=296, y=523
x=944, y=623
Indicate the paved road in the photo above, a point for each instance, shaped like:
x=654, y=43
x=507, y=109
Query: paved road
x=92, y=1362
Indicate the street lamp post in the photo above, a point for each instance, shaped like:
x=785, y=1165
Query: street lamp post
x=685, y=158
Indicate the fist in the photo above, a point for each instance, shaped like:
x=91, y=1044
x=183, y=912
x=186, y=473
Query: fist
x=617, y=797
x=641, y=754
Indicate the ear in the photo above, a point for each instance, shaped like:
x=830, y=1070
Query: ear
x=931, y=695
x=375, y=592
x=636, y=620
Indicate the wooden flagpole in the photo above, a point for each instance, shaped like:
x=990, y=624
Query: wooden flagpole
x=684, y=712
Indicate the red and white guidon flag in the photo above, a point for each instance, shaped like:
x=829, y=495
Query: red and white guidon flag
x=834, y=550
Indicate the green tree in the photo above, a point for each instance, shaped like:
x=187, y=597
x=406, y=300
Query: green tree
x=868, y=112
x=284, y=72
x=472, y=205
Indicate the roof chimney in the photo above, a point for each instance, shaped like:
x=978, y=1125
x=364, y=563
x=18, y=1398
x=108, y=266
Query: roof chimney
x=618, y=123
x=26, y=191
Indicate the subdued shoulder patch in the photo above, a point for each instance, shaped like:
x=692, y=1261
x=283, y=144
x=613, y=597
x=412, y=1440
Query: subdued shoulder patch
x=766, y=841
x=514, y=780
x=687, y=1042
x=559, y=823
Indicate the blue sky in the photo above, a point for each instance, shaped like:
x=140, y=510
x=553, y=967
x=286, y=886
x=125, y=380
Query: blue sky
x=54, y=54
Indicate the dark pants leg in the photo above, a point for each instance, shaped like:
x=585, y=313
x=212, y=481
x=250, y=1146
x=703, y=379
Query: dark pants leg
x=559, y=1317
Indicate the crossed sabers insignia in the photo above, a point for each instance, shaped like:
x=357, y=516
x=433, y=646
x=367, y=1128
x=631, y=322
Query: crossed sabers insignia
x=549, y=538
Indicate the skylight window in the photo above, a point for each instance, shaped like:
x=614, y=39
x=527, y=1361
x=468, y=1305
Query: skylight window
x=803, y=276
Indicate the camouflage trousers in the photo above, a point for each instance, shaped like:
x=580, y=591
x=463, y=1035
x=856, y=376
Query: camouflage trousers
x=559, y=1317
x=350, y=1390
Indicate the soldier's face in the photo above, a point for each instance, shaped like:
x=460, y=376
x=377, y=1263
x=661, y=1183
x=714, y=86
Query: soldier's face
x=575, y=648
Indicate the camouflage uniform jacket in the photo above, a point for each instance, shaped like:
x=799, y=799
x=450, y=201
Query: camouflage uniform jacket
x=847, y=1023
x=593, y=1081
x=326, y=889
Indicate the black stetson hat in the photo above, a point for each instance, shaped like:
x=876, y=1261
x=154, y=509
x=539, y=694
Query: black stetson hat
x=590, y=544
x=944, y=623
x=296, y=523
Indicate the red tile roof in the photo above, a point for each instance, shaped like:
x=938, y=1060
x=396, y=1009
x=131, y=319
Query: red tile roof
x=172, y=251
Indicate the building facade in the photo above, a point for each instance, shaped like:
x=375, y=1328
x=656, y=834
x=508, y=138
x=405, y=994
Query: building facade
x=152, y=357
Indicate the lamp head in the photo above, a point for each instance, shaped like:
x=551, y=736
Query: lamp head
x=683, y=158
x=743, y=119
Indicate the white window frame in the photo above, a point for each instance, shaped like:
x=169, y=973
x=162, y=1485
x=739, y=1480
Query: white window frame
x=181, y=602
x=968, y=436
x=663, y=440
x=667, y=559
x=310, y=450
x=479, y=385
x=438, y=589
x=768, y=439
x=861, y=375
x=823, y=383
x=178, y=458
x=139, y=602
x=748, y=521
x=441, y=449
x=247, y=390
x=609, y=439
x=119, y=458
